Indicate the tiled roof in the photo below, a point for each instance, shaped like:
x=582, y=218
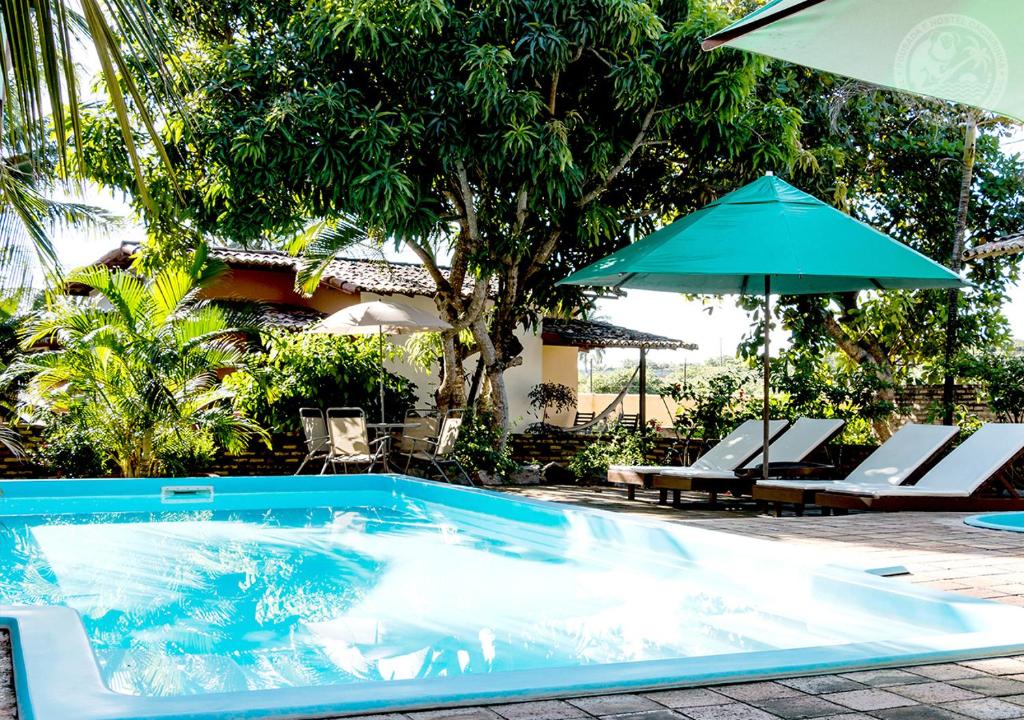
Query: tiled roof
x=286, y=317
x=351, y=275
x=593, y=334
x=1009, y=245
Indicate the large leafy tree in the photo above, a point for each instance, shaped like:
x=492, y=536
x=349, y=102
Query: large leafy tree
x=137, y=365
x=519, y=138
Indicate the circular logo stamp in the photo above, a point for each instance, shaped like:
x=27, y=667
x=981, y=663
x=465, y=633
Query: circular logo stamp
x=953, y=56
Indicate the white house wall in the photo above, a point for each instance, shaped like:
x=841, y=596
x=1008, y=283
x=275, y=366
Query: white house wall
x=519, y=380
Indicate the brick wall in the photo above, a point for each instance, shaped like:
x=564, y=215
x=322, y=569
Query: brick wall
x=921, y=401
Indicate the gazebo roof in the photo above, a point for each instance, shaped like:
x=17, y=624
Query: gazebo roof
x=587, y=334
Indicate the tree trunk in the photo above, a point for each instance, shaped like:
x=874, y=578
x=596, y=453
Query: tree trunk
x=494, y=371
x=451, y=393
x=955, y=264
x=867, y=353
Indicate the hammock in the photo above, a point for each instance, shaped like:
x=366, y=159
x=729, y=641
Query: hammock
x=603, y=417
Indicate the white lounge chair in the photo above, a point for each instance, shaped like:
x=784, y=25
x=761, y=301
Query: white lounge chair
x=731, y=451
x=793, y=447
x=968, y=479
x=890, y=465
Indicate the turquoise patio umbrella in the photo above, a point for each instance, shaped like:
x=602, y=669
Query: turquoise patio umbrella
x=964, y=51
x=766, y=237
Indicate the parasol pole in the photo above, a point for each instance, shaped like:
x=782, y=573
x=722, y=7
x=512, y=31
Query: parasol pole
x=767, y=369
x=380, y=337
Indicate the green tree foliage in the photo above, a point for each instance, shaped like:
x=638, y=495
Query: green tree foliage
x=137, y=366
x=310, y=370
x=521, y=138
x=1001, y=376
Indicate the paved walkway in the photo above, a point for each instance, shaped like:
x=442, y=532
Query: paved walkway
x=938, y=549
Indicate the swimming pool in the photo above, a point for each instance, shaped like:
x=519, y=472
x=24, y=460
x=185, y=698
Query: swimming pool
x=1012, y=521
x=291, y=597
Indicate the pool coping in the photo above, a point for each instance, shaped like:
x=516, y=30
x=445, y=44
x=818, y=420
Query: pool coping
x=980, y=522
x=52, y=654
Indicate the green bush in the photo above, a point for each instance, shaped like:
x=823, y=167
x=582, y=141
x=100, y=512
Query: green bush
x=479, y=447
x=188, y=454
x=615, y=446
x=66, y=450
x=311, y=370
x=1001, y=377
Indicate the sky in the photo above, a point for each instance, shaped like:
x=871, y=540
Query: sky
x=715, y=325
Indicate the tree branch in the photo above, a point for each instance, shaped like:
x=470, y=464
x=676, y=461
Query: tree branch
x=623, y=161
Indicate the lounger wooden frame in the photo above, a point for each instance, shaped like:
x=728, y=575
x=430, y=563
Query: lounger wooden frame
x=997, y=493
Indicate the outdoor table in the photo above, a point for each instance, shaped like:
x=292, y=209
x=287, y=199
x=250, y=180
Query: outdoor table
x=387, y=429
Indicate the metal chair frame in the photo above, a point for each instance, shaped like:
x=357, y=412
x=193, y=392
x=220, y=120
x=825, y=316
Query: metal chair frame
x=317, y=443
x=373, y=456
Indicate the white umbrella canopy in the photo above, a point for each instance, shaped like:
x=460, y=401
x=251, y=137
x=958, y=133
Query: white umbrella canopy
x=380, y=318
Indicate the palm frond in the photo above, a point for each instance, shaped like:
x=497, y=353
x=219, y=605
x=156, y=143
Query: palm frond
x=318, y=244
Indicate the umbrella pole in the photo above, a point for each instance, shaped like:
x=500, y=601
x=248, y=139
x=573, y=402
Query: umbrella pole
x=767, y=369
x=380, y=337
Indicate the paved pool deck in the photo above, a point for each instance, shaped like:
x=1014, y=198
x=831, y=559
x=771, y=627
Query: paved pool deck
x=938, y=550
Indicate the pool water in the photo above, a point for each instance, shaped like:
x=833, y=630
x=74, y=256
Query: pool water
x=199, y=602
x=1012, y=521
x=318, y=596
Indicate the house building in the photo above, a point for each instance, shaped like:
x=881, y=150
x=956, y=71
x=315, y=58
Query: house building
x=268, y=277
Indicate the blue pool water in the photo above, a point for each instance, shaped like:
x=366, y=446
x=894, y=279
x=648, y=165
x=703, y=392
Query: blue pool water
x=1013, y=521
x=374, y=592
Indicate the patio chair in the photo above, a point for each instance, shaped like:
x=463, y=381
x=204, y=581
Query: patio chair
x=630, y=421
x=417, y=438
x=969, y=479
x=788, y=453
x=896, y=461
x=350, y=444
x=731, y=451
x=582, y=418
x=439, y=456
x=314, y=434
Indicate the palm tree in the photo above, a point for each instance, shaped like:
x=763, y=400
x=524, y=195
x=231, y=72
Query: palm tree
x=138, y=364
x=41, y=96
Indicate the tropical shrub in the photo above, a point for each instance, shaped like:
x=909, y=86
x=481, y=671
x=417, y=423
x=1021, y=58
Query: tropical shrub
x=1001, y=377
x=615, y=446
x=479, y=447
x=312, y=370
x=135, y=370
x=66, y=450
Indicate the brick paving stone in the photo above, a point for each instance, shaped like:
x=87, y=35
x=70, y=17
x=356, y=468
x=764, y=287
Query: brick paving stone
x=461, y=713
x=870, y=699
x=658, y=714
x=732, y=711
x=884, y=677
x=800, y=707
x=688, y=697
x=998, y=666
x=614, y=704
x=991, y=686
x=987, y=709
x=918, y=712
x=821, y=684
x=934, y=692
x=945, y=671
x=539, y=710
x=749, y=692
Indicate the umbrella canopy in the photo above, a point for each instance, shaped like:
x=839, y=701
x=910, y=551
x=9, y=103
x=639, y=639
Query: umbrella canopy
x=767, y=236
x=767, y=229
x=380, y=317
x=965, y=51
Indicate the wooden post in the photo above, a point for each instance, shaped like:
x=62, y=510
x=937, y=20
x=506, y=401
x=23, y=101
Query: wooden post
x=643, y=388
